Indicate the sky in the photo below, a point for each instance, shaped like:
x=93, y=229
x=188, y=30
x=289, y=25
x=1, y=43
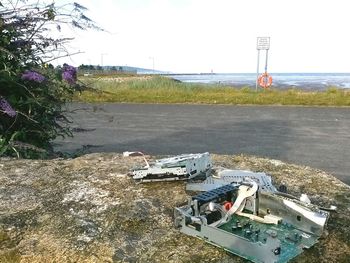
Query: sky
x=200, y=36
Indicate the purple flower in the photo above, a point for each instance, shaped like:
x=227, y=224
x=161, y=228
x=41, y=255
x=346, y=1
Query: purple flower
x=6, y=108
x=20, y=43
x=33, y=76
x=69, y=74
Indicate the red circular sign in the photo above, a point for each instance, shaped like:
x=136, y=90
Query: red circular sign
x=265, y=80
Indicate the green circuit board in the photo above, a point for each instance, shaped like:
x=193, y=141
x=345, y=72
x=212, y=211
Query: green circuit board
x=292, y=239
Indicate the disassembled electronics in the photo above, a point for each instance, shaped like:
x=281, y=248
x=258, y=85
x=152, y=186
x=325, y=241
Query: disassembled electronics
x=257, y=225
x=240, y=211
x=181, y=167
x=227, y=176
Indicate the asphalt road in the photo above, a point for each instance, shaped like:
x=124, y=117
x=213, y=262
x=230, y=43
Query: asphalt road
x=315, y=136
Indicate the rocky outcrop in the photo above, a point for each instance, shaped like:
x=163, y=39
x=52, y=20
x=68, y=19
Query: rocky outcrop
x=88, y=210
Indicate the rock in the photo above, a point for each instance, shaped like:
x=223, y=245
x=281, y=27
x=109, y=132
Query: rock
x=87, y=210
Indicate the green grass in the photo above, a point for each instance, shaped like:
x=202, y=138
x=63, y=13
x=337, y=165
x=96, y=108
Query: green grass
x=164, y=90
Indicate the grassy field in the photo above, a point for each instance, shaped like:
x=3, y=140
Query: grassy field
x=157, y=89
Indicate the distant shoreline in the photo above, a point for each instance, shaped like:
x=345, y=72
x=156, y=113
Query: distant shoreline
x=305, y=87
x=283, y=81
x=254, y=73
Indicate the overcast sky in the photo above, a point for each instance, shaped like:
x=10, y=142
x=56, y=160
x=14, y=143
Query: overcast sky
x=219, y=35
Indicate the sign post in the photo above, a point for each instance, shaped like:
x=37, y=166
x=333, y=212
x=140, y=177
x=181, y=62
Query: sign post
x=263, y=43
x=257, y=71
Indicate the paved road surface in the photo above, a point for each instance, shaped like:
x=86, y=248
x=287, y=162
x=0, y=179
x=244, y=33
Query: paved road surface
x=314, y=136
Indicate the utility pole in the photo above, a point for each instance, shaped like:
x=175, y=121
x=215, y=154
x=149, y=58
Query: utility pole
x=102, y=54
x=257, y=71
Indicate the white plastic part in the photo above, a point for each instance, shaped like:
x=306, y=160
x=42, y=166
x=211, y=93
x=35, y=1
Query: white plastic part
x=305, y=199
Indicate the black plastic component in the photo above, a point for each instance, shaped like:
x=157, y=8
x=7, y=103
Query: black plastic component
x=223, y=193
x=277, y=251
x=282, y=188
x=213, y=217
x=248, y=233
x=294, y=237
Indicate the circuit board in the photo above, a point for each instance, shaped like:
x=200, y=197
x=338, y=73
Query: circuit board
x=292, y=240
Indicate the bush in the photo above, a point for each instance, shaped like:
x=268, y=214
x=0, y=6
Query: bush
x=32, y=91
x=332, y=90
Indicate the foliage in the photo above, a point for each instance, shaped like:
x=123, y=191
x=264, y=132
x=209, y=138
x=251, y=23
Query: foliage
x=86, y=67
x=32, y=91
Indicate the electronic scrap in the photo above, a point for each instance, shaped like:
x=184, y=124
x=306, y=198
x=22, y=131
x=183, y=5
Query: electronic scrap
x=257, y=225
x=240, y=211
x=181, y=167
x=223, y=176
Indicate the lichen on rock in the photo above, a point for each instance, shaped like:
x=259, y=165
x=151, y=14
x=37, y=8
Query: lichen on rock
x=88, y=210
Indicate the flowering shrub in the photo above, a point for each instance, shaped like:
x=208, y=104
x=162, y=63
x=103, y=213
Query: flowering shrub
x=6, y=108
x=33, y=76
x=69, y=74
x=32, y=91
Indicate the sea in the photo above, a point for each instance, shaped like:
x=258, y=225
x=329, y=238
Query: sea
x=308, y=81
